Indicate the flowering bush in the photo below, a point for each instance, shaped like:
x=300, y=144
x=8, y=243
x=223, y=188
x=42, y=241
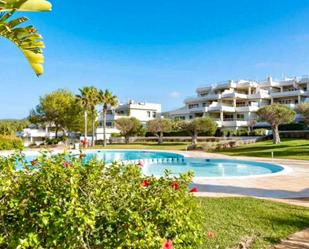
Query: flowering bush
x=64, y=201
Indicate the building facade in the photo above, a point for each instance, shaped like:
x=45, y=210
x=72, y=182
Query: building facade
x=140, y=110
x=233, y=104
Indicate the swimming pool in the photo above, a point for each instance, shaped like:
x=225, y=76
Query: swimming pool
x=211, y=168
x=156, y=163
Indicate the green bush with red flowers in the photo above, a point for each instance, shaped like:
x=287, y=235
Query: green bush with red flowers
x=63, y=201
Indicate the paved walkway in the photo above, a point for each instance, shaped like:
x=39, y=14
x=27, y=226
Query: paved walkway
x=291, y=187
x=299, y=240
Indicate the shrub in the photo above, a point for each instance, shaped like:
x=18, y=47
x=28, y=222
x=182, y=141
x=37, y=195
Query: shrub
x=259, y=132
x=10, y=143
x=65, y=201
x=293, y=127
x=54, y=141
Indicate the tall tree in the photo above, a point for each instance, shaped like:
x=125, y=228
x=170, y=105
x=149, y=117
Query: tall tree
x=199, y=125
x=59, y=110
x=159, y=126
x=276, y=115
x=27, y=39
x=87, y=97
x=303, y=109
x=108, y=100
x=129, y=127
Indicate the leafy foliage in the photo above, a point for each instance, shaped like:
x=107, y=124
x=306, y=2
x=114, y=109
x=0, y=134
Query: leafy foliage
x=10, y=143
x=199, y=125
x=159, y=126
x=10, y=127
x=27, y=39
x=108, y=100
x=303, y=109
x=276, y=115
x=65, y=201
x=58, y=109
x=129, y=127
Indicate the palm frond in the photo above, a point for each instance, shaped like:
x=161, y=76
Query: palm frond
x=25, y=5
x=27, y=39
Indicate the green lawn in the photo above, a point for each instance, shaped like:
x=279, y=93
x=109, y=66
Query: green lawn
x=149, y=146
x=288, y=148
x=234, y=219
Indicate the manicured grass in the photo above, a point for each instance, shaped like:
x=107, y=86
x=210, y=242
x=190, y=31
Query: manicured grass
x=149, y=146
x=234, y=219
x=288, y=148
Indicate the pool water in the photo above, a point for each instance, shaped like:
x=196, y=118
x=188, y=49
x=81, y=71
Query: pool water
x=156, y=163
x=124, y=155
x=212, y=168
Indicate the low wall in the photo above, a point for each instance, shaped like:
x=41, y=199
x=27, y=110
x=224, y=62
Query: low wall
x=180, y=139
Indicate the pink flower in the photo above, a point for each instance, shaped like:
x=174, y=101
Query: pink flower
x=67, y=164
x=81, y=156
x=175, y=185
x=211, y=234
x=34, y=162
x=146, y=183
x=140, y=163
x=167, y=244
x=194, y=190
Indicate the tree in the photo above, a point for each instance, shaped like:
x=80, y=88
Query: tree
x=276, y=115
x=199, y=125
x=59, y=110
x=11, y=127
x=158, y=126
x=303, y=109
x=108, y=100
x=27, y=39
x=129, y=127
x=88, y=99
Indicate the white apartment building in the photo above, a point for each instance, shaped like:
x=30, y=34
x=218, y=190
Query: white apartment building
x=35, y=135
x=233, y=104
x=140, y=110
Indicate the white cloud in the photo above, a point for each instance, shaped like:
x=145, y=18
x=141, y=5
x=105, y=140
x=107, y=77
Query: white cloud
x=174, y=94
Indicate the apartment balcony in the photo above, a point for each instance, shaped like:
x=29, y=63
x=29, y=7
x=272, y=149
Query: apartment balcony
x=198, y=109
x=294, y=93
x=234, y=95
x=190, y=100
x=260, y=95
x=232, y=123
x=251, y=108
x=219, y=107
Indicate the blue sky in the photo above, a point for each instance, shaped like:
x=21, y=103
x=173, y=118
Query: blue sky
x=156, y=51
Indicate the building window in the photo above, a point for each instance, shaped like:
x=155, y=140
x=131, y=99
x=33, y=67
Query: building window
x=191, y=106
x=240, y=117
x=154, y=114
x=204, y=104
x=149, y=114
x=190, y=117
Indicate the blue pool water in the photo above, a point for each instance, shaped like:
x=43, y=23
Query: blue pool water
x=156, y=163
x=212, y=168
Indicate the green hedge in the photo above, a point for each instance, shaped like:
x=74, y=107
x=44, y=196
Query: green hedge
x=10, y=143
x=293, y=127
x=64, y=201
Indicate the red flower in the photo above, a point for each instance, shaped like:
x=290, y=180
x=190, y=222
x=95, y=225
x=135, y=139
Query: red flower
x=67, y=164
x=167, y=244
x=140, y=163
x=34, y=162
x=211, y=234
x=175, y=185
x=146, y=183
x=81, y=156
x=194, y=190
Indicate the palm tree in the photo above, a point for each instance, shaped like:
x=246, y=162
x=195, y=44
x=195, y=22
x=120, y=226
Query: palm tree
x=84, y=99
x=27, y=39
x=108, y=100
